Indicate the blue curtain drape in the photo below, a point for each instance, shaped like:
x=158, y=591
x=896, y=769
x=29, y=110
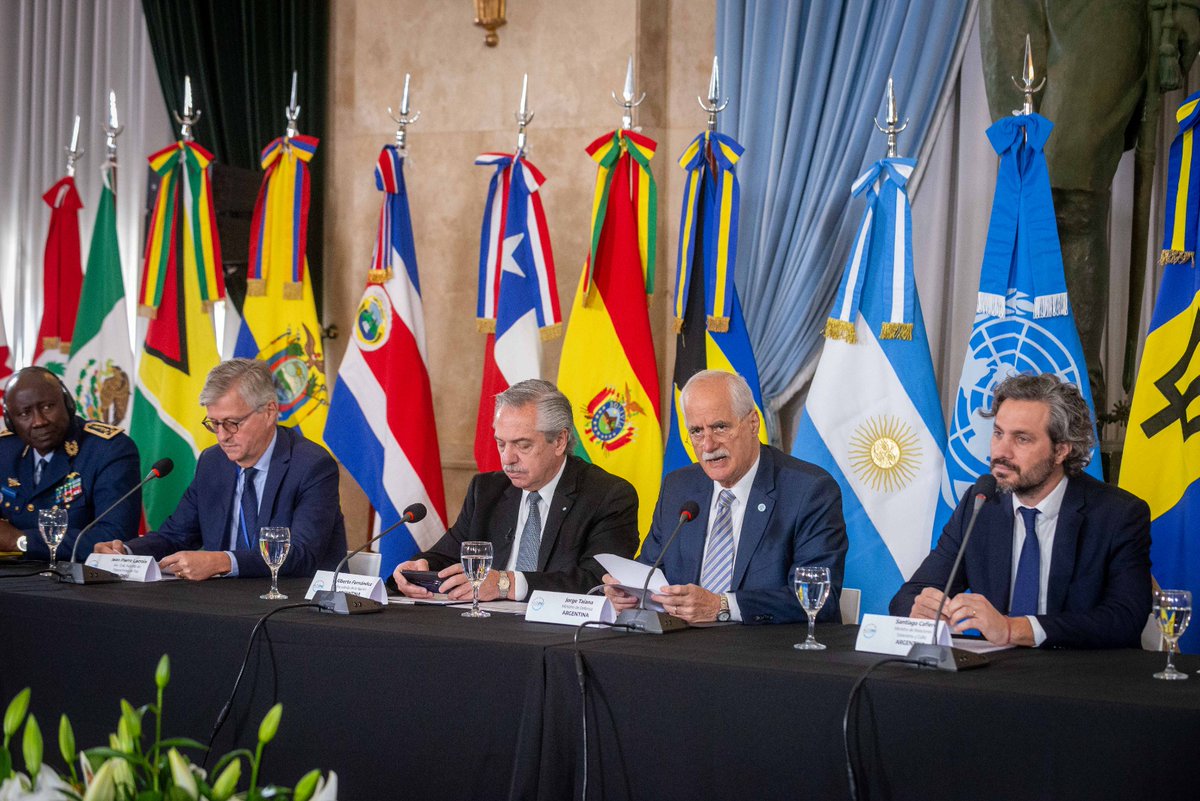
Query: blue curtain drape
x=804, y=80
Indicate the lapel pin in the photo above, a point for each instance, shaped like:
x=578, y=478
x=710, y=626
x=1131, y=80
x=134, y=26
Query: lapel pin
x=762, y=507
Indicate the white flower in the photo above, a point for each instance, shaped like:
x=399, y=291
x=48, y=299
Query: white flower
x=49, y=787
x=326, y=788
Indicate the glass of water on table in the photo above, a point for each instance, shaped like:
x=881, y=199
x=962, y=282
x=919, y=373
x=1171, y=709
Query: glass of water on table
x=812, y=589
x=274, y=543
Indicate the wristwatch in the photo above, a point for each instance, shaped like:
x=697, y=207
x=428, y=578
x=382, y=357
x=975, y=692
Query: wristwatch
x=504, y=585
x=22, y=543
x=724, y=615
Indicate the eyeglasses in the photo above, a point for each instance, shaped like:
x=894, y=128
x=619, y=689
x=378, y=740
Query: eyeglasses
x=718, y=431
x=230, y=425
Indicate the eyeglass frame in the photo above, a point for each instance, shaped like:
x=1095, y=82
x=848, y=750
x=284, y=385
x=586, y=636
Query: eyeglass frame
x=212, y=425
x=697, y=436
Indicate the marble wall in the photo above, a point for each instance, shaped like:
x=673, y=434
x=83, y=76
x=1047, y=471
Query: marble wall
x=574, y=53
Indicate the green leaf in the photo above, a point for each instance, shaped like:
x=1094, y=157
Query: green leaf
x=162, y=674
x=112, y=753
x=270, y=724
x=66, y=740
x=32, y=746
x=5, y=764
x=226, y=782
x=306, y=786
x=181, y=742
x=15, y=713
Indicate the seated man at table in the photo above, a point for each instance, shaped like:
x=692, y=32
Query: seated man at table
x=1058, y=558
x=762, y=514
x=52, y=457
x=547, y=514
x=258, y=474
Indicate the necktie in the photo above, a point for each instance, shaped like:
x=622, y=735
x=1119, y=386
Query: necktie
x=531, y=537
x=1025, y=588
x=718, y=565
x=248, y=514
x=38, y=464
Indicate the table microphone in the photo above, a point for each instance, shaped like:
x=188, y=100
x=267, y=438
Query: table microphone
x=943, y=657
x=78, y=573
x=647, y=621
x=339, y=603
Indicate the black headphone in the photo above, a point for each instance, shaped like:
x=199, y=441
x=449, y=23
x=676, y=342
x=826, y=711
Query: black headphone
x=68, y=398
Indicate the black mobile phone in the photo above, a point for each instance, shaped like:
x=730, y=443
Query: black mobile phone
x=423, y=578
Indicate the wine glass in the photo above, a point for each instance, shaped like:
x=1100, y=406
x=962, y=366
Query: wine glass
x=52, y=525
x=1173, y=608
x=274, y=543
x=476, y=562
x=812, y=588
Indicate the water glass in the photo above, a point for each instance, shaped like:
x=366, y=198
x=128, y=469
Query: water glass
x=52, y=525
x=1173, y=610
x=812, y=589
x=274, y=542
x=476, y=562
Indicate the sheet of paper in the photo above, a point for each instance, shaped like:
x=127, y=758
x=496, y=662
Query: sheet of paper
x=978, y=646
x=631, y=577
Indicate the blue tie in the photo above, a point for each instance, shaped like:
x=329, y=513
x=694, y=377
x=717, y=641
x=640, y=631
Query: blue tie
x=1025, y=588
x=718, y=566
x=248, y=523
x=531, y=537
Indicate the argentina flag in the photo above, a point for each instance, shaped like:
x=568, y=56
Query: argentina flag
x=872, y=417
x=1023, y=320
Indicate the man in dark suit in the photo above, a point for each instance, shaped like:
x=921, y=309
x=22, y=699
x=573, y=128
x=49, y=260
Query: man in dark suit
x=1058, y=558
x=762, y=514
x=258, y=474
x=51, y=457
x=546, y=514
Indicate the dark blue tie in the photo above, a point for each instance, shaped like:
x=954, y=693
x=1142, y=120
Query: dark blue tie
x=1025, y=588
x=248, y=524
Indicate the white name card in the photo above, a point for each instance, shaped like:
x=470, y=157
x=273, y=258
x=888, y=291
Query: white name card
x=129, y=568
x=885, y=634
x=567, y=608
x=350, y=583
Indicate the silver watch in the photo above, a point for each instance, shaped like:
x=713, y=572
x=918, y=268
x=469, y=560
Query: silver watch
x=22, y=543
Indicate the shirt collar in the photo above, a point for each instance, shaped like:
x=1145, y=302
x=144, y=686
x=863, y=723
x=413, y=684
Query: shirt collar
x=741, y=490
x=264, y=462
x=1050, y=505
x=546, y=492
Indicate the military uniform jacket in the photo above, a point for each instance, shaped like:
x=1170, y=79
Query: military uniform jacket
x=94, y=466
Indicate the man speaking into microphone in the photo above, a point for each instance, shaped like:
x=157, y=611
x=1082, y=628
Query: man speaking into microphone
x=1058, y=558
x=761, y=514
x=547, y=514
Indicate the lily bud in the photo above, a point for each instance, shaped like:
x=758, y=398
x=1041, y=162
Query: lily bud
x=102, y=787
x=15, y=714
x=66, y=739
x=306, y=786
x=181, y=774
x=162, y=674
x=32, y=746
x=270, y=724
x=226, y=783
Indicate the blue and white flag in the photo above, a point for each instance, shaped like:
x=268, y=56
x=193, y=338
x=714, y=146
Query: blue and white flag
x=1023, y=320
x=872, y=418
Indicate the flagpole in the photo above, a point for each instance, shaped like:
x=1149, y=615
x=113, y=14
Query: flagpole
x=190, y=115
x=74, y=151
x=893, y=117
x=292, y=112
x=628, y=104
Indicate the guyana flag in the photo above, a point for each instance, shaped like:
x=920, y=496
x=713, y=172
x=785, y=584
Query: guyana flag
x=181, y=279
x=279, y=314
x=710, y=329
x=608, y=369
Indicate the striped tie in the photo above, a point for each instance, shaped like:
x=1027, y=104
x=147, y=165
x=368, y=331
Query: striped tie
x=718, y=565
x=531, y=537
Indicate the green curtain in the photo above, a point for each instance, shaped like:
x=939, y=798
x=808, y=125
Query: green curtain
x=240, y=55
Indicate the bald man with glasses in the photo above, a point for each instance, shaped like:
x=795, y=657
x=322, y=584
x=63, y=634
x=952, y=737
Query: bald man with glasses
x=258, y=474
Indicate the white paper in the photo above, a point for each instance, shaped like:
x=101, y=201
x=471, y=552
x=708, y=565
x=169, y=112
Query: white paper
x=631, y=577
x=350, y=583
x=888, y=634
x=567, y=608
x=978, y=646
x=128, y=567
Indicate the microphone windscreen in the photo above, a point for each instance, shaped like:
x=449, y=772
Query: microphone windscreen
x=415, y=513
x=689, y=511
x=163, y=467
x=986, y=486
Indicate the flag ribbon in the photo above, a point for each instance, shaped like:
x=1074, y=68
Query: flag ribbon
x=1022, y=202
x=710, y=155
x=1183, y=189
x=389, y=179
x=279, y=227
x=186, y=163
x=607, y=152
x=888, y=215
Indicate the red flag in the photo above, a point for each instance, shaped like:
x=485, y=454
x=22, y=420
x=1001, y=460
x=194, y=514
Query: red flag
x=62, y=275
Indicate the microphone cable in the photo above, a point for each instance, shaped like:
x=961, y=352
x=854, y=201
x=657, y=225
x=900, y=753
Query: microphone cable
x=851, y=776
x=581, y=676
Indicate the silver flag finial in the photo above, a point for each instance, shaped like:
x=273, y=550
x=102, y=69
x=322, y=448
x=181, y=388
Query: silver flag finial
x=112, y=128
x=524, y=116
x=403, y=119
x=714, y=106
x=191, y=115
x=1026, y=84
x=74, y=151
x=292, y=112
x=893, y=117
x=627, y=102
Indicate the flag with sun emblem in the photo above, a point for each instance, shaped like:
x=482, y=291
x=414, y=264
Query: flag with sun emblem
x=873, y=418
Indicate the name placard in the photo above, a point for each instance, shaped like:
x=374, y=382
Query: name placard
x=567, y=608
x=128, y=567
x=350, y=583
x=886, y=634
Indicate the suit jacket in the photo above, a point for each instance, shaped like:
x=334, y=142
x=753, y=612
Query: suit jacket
x=301, y=493
x=793, y=518
x=592, y=512
x=103, y=468
x=1098, y=595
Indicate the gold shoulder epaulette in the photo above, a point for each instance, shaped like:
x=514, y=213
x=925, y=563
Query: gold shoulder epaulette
x=102, y=430
x=5, y=433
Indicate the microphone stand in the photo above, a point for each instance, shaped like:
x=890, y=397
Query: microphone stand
x=78, y=573
x=646, y=621
x=335, y=602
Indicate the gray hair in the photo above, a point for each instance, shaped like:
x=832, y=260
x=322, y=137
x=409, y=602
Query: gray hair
x=553, y=408
x=250, y=377
x=740, y=396
x=1070, y=421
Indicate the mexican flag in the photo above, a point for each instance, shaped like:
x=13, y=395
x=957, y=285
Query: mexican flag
x=100, y=369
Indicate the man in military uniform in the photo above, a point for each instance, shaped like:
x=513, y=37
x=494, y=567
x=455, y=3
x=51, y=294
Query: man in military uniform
x=51, y=457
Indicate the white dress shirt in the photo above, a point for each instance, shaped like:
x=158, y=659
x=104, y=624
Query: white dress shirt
x=520, y=587
x=260, y=482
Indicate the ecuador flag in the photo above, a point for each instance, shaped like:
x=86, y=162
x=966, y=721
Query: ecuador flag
x=608, y=369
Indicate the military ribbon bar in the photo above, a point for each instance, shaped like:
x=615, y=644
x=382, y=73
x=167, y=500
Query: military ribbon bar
x=710, y=156
x=1182, y=210
x=608, y=151
x=279, y=228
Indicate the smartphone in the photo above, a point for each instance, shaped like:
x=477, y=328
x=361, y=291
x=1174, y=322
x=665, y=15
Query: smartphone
x=423, y=578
